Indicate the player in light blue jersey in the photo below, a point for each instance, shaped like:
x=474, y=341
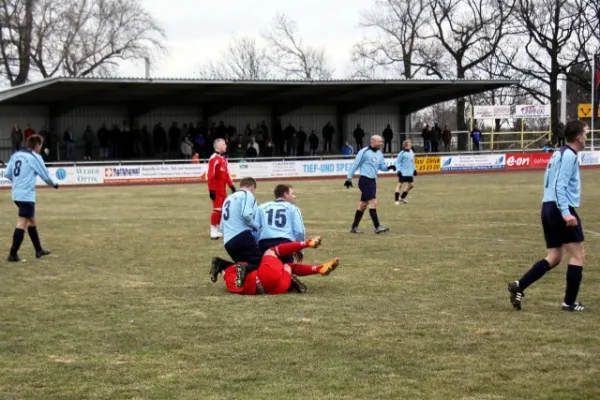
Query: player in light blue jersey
x=22, y=170
x=405, y=165
x=368, y=161
x=280, y=221
x=237, y=225
x=560, y=222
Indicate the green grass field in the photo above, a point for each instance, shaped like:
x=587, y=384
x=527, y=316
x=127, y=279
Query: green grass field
x=124, y=308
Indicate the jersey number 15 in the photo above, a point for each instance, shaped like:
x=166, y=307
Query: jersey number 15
x=280, y=218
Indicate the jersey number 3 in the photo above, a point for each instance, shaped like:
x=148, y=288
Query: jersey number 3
x=226, y=210
x=280, y=218
x=17, y=169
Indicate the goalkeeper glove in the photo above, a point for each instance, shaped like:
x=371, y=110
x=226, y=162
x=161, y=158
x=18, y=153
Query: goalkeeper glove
x=212, y=195
x=415, y=173
x=55, y=186
x=232, y=188
x=348, y=183
x=391, y=167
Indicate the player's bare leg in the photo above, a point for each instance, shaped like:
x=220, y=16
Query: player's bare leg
x=409, y=187
x=539, y=269
x=576, y=253
x=373, y=213
x=362, y=206
x=397, y=193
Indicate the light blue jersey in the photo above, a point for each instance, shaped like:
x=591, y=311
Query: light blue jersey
x=368, y=161
x=22, y=170
x=405, y=162
x=562, y=184
x=238, y=214
x=279, y=219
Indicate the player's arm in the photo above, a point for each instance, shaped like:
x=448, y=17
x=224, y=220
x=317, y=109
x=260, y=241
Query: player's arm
x=383, y=166
x=8, y=173
x=298, y=225
x=211, y=176
x=399, y=161
x=228, y=180
x=568, y=163
x=40, y=168
x=354, y=167
x=258, y=222
x=248, y=211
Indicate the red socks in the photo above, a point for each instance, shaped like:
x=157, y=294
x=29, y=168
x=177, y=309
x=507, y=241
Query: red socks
x=215, y=218
x=287, y=249
x=303, y=269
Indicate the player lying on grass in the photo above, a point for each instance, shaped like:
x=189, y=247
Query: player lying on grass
x=405, y=165
x=273, y=276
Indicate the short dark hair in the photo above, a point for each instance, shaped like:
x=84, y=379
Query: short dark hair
x=281, y=189
x=573, y=129
x=248, y=182
x=33, y=141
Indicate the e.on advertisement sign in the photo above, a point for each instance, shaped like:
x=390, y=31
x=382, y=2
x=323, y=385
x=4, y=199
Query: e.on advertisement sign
x=527, y=160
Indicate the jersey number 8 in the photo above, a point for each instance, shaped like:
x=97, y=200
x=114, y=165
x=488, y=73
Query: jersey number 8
x=280, y=218
x=17, y=169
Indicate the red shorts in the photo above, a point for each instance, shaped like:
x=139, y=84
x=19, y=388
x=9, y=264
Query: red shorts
x=271, y=276
x=249, y=286
x=219, y=200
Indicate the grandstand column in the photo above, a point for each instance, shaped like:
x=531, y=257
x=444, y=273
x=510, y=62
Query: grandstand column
x=340, y=129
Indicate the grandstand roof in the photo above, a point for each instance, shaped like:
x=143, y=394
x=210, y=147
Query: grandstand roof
x=350, y=95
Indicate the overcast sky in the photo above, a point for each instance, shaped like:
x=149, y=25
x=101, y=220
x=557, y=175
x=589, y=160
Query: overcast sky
x=198, y=30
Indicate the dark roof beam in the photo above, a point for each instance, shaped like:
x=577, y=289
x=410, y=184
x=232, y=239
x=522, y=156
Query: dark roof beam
x=317, y=98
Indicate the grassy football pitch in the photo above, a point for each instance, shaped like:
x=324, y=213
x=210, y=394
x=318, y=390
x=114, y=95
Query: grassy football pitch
x=124, y=308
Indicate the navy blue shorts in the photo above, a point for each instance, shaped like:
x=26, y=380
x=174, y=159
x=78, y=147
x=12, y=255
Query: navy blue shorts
x=243, y=248
x=368, y=188
x=26, y=209
x=556, y=231
x=266, y=244
x=405, y=179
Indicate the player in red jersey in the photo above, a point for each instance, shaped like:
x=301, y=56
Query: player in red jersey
x=218, y=177
x=273, y=276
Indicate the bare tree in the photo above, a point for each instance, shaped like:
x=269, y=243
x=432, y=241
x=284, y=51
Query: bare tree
x=290, y=55
x=470, y=32
x=398, y=44
x=103, y=32
x=553, y=41
x=243, y=59
x=74, y=37
x=16, y=26
x=493, y=68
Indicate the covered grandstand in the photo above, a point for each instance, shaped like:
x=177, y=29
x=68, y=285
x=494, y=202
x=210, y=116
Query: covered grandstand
x=74, y=103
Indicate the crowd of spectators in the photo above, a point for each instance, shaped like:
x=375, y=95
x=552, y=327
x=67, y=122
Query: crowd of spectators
x=119, y=141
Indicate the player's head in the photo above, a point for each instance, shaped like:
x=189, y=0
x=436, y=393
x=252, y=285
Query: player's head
x=285, y=192
x=376, y=142
x=576, y=134
x=35, y=143
x=220, y=145
x=407, y=145
x=248, y=184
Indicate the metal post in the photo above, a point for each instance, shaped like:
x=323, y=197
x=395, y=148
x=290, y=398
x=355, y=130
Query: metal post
x=563, y=101
x=522, y=133
x=593, y=111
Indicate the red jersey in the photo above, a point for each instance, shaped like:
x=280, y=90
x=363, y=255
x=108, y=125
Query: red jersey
x=218, y=173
